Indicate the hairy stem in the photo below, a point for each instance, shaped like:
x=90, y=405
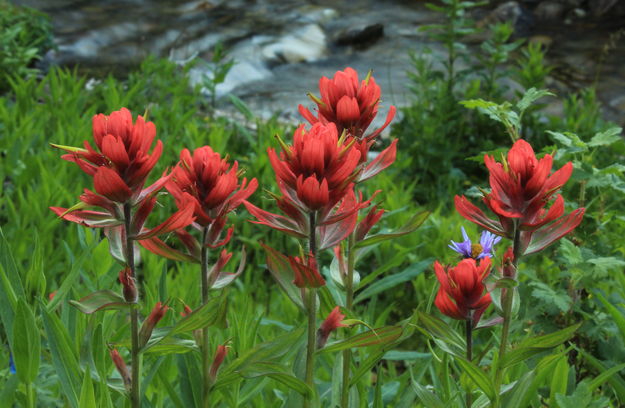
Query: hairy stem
x=349, y=301
x=135, y=389
x=311, y=307
x=507, y=295
x=469, y=337
x=206, y=382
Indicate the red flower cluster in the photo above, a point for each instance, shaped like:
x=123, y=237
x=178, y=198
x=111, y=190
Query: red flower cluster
x=349, y=104
x=352, y=105
x=210, y=185
x=120, y=169
x=521, y=188
x=315, y=175
x=461, y=294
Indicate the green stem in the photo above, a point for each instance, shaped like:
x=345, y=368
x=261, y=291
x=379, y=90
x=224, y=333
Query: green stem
x=507, y=295
x=135, y=389
x=349, y=300
x=311, y=308
x=30, y=395
x=206, y=381
x=469, y=337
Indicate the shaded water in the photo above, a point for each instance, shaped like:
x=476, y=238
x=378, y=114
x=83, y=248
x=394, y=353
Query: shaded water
x=282, y=48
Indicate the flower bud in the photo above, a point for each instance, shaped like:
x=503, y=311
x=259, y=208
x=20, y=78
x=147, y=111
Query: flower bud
x=155, y=316
x=121, y=368
x=220, y=355
x=129, y=287
x=331, y=323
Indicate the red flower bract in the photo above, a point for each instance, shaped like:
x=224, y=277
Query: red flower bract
x=121, y=162
x=348, y=103
x=521, y=188
x=318, y=168
x=306, y=273
x=210, y=182
x=462, y=289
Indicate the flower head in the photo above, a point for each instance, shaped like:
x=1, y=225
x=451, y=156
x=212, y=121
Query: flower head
x=521, y=188
x=121, y=161
x=476, y=251
x=210, y=183
x=318, y=168
x=331, y=323
x=461, y=294
x=348, y=103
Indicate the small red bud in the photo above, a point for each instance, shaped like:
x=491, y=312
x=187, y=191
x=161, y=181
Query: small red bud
x=155, y=316
x=220, y=355
x=331, y=323
x=129, y=287
x=121, y=368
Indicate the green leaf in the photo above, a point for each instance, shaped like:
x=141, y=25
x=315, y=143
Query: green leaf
x=278, y=373
x=70, y=281
x=478, y=376
x=412, y=224
x=604, y=376
x=26, y=343
x=552, y=339
x=63, y=356
x=616, y=381
x=101, y=300
x=531, y=96
x=536, y=345
x=439, y=330
x=427, y=397
x=559, y=380
x=608, y=137
x=11, y=286
x=206, y=315
x=616, y=314
x=506, y=282
x=373, y=337
x=393, y=280
x=87, y=395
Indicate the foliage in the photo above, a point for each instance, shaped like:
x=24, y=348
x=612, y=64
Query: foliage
x=25, y=35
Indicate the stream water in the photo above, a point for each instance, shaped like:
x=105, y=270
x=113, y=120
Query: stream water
x=283, y=47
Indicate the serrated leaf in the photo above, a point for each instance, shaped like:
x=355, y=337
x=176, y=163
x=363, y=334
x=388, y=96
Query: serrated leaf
x=101, y=300
x=606, y=138
x=26, y=343
x=373, y=337
x=531, y=96
x=410, y=226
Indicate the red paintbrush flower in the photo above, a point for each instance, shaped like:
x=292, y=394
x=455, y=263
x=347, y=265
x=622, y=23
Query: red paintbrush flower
x=331, y=323
x=461, y=294
x=210, y=182
x=121, y=163
x=348, y=103
x=352, y=105
x=318, y=168
x=521, y=188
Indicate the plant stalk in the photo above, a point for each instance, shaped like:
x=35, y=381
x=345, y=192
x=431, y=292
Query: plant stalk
x=469, y=337
x=311, y=308
x=135, y=389
x=206, y=381
x=349, y=301
x=507, y=300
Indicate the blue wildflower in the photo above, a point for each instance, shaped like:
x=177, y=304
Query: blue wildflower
x=476, y=251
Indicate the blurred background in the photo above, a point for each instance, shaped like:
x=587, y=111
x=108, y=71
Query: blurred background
x=279, y=49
